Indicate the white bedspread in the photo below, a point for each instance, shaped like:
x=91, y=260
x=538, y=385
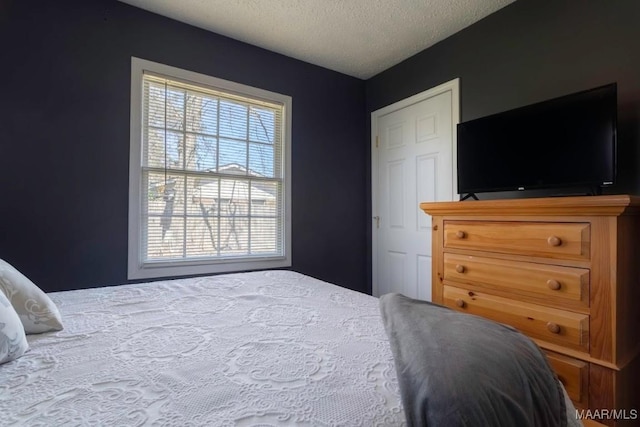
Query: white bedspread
x=263, y=348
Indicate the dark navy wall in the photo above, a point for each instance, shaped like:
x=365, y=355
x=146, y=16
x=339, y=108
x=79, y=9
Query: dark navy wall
x=530, y=51
x=64, y=139
x=64, y=119
x=527, y=52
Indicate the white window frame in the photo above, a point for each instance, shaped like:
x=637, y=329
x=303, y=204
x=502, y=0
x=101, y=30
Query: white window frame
x=137, y=268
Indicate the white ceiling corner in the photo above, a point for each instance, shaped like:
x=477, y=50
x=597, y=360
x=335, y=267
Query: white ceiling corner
x=356, y=37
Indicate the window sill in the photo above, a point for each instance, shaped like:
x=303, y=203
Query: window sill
x=176, y=269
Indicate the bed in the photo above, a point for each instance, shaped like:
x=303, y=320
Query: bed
x=250, y=349
x=260, y=348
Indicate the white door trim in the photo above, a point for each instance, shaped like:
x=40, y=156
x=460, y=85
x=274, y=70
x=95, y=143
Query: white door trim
x=452, y=86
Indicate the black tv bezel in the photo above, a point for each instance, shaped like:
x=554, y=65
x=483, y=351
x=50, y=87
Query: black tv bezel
x=576, y=184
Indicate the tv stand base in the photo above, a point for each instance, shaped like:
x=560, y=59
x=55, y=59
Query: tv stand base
x=468, y=196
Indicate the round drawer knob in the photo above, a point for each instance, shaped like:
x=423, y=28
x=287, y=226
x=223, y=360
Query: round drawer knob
x=553, y=328
x=460, y=268
x=554, y=241
x=554, y=285
x=460, y=303
x=461, y=234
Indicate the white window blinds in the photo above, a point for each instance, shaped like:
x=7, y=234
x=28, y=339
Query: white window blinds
x=212, y=174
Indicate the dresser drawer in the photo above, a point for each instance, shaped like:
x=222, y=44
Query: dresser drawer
x=556, y=326
x=544, y=239
x=566, y=286
x=574, y=376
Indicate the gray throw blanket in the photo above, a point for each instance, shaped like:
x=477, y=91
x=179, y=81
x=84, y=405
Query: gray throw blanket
x=456, y=369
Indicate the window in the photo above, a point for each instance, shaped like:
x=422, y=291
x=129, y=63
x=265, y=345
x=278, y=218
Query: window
x=209, y=174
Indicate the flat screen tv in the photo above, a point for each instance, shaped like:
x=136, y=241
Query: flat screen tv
x=565, y=142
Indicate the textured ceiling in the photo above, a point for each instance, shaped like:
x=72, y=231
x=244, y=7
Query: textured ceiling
x=356, y=37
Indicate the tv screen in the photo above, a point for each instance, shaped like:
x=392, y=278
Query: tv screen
x=563, y=142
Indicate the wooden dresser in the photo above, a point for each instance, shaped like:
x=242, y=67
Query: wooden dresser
x=563, y=270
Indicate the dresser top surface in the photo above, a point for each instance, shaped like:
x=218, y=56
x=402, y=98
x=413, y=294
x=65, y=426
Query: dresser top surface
x=573, y=206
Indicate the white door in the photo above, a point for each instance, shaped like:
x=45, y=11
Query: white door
x=415, y=162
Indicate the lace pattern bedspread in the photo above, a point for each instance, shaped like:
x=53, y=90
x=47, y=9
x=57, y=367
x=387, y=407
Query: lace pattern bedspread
x=262, y=348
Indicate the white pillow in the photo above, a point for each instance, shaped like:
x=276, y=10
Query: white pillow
x=13, y=342
x=35, y=309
